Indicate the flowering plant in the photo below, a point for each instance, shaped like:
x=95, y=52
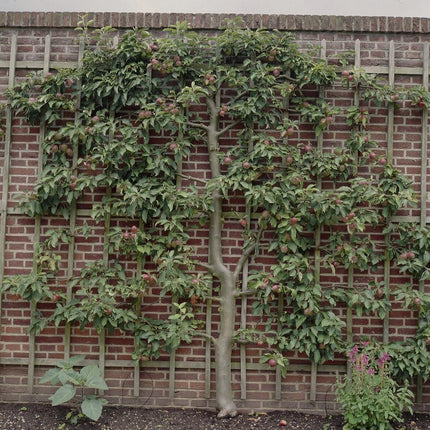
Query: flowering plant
x=370, y=398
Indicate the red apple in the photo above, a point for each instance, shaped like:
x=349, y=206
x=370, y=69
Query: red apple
x=243, y=222
x=134, y=229
x=246, y=165
x=345, y=73
x=272, y=362
x=379, y=293
x=308, y=312
x=56, y=297
x=282, y=423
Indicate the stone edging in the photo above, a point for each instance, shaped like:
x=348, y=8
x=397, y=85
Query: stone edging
x=213, y=21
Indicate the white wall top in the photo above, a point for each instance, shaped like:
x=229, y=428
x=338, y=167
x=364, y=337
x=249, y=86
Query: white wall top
x=405, y=8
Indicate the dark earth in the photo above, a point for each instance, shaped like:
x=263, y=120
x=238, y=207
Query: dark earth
x=45, y=417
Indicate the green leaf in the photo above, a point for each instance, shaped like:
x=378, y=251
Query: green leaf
x=93, y=407
x=51, y=376
x=63, y=394
x=69, y=376
x=93, y=377
x=72, y=362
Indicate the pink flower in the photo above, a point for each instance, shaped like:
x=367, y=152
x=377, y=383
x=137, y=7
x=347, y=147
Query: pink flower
x=365, y=360
x=383, y=359
x=352, y=353
x=365, y=343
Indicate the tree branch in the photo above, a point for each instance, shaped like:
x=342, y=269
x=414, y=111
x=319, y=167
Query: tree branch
x=247, y=252
x=205, y=336
x=229, y=127
x=206, y=266
x=192, y=178
x=245, y=293
x=197, y=125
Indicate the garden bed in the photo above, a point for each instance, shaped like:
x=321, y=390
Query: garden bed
x=46, y=417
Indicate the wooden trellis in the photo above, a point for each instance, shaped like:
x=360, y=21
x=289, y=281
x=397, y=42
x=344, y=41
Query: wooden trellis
x=391, y=71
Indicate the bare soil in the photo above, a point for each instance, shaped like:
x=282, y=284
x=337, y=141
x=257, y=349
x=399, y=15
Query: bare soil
x=45, y=417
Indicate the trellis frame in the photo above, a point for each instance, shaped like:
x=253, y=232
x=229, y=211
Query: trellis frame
x=391, y=71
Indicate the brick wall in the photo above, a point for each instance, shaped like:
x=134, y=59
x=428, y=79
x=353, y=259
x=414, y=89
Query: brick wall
x=191, y=387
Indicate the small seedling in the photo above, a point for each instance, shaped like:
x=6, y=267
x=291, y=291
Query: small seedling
x=89, y=377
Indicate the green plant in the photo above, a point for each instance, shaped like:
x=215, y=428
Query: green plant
x=370, y=398
x=89, y=377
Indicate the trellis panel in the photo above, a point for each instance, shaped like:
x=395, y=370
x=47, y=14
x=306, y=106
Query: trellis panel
x=243, y=366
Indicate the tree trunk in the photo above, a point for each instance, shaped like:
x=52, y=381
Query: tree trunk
x=227, y=309
x=223, y=350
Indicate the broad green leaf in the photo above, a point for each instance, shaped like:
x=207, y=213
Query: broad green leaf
x=93, y=377
x=70, y=376
x=71, y=362
x=63, y=394
x=51, y=376
x=93, y=407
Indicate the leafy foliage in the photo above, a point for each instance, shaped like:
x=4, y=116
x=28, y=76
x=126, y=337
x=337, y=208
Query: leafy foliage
x=124, y=123
x=371, y=398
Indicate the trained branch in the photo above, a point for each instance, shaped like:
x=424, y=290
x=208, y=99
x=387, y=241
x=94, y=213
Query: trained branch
x=229, y=127
x=197, y=125
x=247, y=253
x=192, y=178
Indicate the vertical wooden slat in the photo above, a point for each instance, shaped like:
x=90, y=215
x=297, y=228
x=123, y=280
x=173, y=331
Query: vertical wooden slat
x=390, y=150
x=36, y=236
x=6, y=165
x=278, y=375
x=208, y=346
x=243, y=314
x=424, y=163
x=424, y=140
x=172, y=358
x=317, y=273
x=136, y=372
x=350, y=279
x=107, y=223
x=72, y=226
x=243, y=323
x=391, y=70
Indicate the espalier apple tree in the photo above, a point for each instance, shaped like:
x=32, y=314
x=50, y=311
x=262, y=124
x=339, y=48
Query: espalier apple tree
x=130, y=121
